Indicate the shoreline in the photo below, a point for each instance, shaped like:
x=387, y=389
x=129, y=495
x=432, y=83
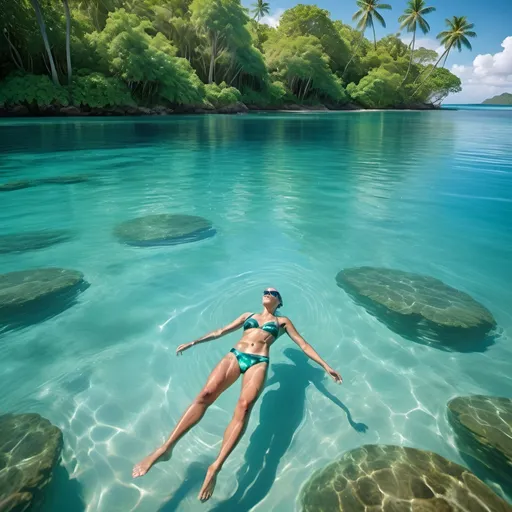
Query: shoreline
x=238, y=108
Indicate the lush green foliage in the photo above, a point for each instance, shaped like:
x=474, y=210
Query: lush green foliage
x=378, y=89
x=165, y=51
x=97, y=90
x=147, y=63
x=24, y=88
x=222, y=95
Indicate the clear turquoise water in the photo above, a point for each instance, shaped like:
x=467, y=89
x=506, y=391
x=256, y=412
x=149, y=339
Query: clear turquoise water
x=294, y=198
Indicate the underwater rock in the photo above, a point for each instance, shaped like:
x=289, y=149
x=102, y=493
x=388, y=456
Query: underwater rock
x=30, y=447
x=483, y=428
x=57, y=180
x=22, y=242
x=64, y=180
x=34, y=295
x=417, y=306
x=15, y=185
x=164, y=229
x=391, y=478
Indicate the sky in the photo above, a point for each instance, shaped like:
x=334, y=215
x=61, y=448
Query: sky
x=485, y=72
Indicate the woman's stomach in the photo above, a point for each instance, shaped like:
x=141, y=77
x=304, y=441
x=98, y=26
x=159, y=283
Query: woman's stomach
x=257, y=343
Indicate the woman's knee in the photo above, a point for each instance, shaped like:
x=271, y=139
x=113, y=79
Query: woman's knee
x=206, y=396
x=244, y=406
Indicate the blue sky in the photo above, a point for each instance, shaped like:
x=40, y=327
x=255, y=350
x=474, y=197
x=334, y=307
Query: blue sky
x=493, y=24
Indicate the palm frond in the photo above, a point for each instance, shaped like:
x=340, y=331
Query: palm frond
x=357, y=15
x=427, y=10
x=464, y=40
x=424, y=26
x=380, y=18
x=384, y=6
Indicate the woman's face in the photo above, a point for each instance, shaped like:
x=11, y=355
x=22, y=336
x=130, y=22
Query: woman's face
x=269, y=299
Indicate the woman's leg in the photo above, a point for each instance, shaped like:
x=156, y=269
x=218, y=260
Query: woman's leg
x=224, y=374
x=252, y=385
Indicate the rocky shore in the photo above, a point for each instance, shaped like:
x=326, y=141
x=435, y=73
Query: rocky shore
x=159, y=110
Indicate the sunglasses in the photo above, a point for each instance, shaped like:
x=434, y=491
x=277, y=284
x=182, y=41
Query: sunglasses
x=273, y=293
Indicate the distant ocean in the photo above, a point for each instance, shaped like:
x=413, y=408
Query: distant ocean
x=474, y=106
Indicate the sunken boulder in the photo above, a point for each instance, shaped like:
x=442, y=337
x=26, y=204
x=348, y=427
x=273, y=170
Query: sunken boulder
x=387, y=478
x=30, y=448
x=164, y=229
x=29, y=296
x=483, y=430
x=15, y=185
x=417, y=306
x=65, y=180
x=33, y=240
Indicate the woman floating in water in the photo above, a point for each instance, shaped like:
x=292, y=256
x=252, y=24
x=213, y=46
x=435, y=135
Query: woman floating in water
x=249, y=357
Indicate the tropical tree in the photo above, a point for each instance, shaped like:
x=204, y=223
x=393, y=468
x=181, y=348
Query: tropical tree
x=368, y=9
x=413, y=17
x=44, y=35
x=302, y=65
x=68, y=40
x=260, y=9
x=310, y=20
x=455, y=37
x=223, y=23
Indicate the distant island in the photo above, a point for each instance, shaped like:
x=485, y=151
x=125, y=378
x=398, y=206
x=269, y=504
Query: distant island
x=501, y=99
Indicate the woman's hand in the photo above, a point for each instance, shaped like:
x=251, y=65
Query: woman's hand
x=334, y=374
x=183, y=347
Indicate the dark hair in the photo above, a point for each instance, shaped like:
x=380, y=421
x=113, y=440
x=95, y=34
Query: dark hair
x=280, y=305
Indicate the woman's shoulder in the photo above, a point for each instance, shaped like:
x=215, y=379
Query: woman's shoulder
x=283, y=320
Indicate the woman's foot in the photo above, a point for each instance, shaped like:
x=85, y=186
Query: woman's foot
x=209, y=484
x=146, y=463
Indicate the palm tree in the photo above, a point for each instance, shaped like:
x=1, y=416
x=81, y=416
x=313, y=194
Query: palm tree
x=42, y=28
x=260, y=9
x=410, y=19
x=455, y=37
x=68, y=39
x=364, y=17
x=368, y=9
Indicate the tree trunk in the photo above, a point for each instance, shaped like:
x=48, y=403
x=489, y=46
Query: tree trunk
x=374, y=37
x=410, y=60
x=68, y=40
x=212, y=59
x=430, y=72
x=445, y=59
x=15, y=55
x=306, y=88
x=42, y=28
x=236, y=74
x=354, y=54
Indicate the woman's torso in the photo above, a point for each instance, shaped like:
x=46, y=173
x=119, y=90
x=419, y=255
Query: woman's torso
x=259, y=334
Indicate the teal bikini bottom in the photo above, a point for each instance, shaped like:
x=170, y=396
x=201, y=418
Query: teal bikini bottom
x=245, y=361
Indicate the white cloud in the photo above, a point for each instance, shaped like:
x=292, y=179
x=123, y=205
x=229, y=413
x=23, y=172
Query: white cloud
x=273, y=19
x=488, y=76
x=425, y=42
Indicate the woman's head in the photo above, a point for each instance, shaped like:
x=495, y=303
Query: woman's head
x=272, y=299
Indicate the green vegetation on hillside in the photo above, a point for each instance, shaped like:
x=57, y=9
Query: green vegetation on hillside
x=212, y=53
x=502, y=99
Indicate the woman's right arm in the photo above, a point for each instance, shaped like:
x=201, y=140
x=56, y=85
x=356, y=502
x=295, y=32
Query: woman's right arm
x=233, y=326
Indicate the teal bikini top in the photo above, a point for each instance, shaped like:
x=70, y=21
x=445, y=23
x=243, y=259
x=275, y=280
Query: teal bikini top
x=270, y=327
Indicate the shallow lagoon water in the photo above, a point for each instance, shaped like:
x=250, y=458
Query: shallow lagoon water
x=294, y=198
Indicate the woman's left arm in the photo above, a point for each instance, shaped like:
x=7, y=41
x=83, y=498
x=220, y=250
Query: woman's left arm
x=308, y=349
